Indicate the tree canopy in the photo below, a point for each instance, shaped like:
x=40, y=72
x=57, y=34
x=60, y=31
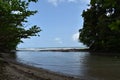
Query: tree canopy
x=101, y=27
x=13, y=16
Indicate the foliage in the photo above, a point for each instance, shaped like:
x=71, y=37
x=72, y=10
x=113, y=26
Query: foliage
x=13, y=16
x=101, y=28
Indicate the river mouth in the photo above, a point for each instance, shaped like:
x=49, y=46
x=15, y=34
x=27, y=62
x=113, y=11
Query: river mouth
x=77, y=64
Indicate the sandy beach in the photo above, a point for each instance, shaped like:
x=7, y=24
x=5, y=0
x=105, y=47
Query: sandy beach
x=12, y=70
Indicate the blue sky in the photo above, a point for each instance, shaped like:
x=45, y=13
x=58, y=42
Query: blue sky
x=59, y=20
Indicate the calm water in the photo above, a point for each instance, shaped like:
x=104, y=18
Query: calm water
x=77, y=64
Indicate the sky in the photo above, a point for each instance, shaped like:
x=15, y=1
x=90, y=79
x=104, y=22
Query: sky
x=60, y=21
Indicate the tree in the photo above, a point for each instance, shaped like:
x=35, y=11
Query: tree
x=101, y=28
x=13, y=16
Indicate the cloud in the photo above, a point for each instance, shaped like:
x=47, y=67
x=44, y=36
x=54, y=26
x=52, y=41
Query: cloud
x=75, y=36
x=58, y=40
x=56, y=2
x=16, y=12
x=72, y=0
x=85, y=1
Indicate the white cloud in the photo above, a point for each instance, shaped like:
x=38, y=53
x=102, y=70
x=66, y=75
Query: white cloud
x=72, y=0
x=81, y=1
x=85, y=1
x=58, y=40
x=16, y=12
x=75, y=36
x=56, y=2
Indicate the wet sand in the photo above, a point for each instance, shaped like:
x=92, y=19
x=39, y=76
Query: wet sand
x=12, y=70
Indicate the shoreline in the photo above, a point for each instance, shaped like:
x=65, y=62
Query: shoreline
x=20, y=71
x=56, y=50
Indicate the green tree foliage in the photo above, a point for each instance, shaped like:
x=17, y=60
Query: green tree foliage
x=13, y=16
x=101, y=28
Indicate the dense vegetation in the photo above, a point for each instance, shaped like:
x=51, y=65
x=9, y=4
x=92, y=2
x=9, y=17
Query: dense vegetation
x=13, y=16
x=101, y=28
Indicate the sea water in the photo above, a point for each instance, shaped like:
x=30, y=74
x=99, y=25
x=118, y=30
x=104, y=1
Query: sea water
x=76, y=64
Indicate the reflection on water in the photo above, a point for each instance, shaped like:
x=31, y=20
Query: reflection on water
x=79, y=64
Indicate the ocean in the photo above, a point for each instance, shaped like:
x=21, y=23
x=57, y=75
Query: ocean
x=76, y=64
